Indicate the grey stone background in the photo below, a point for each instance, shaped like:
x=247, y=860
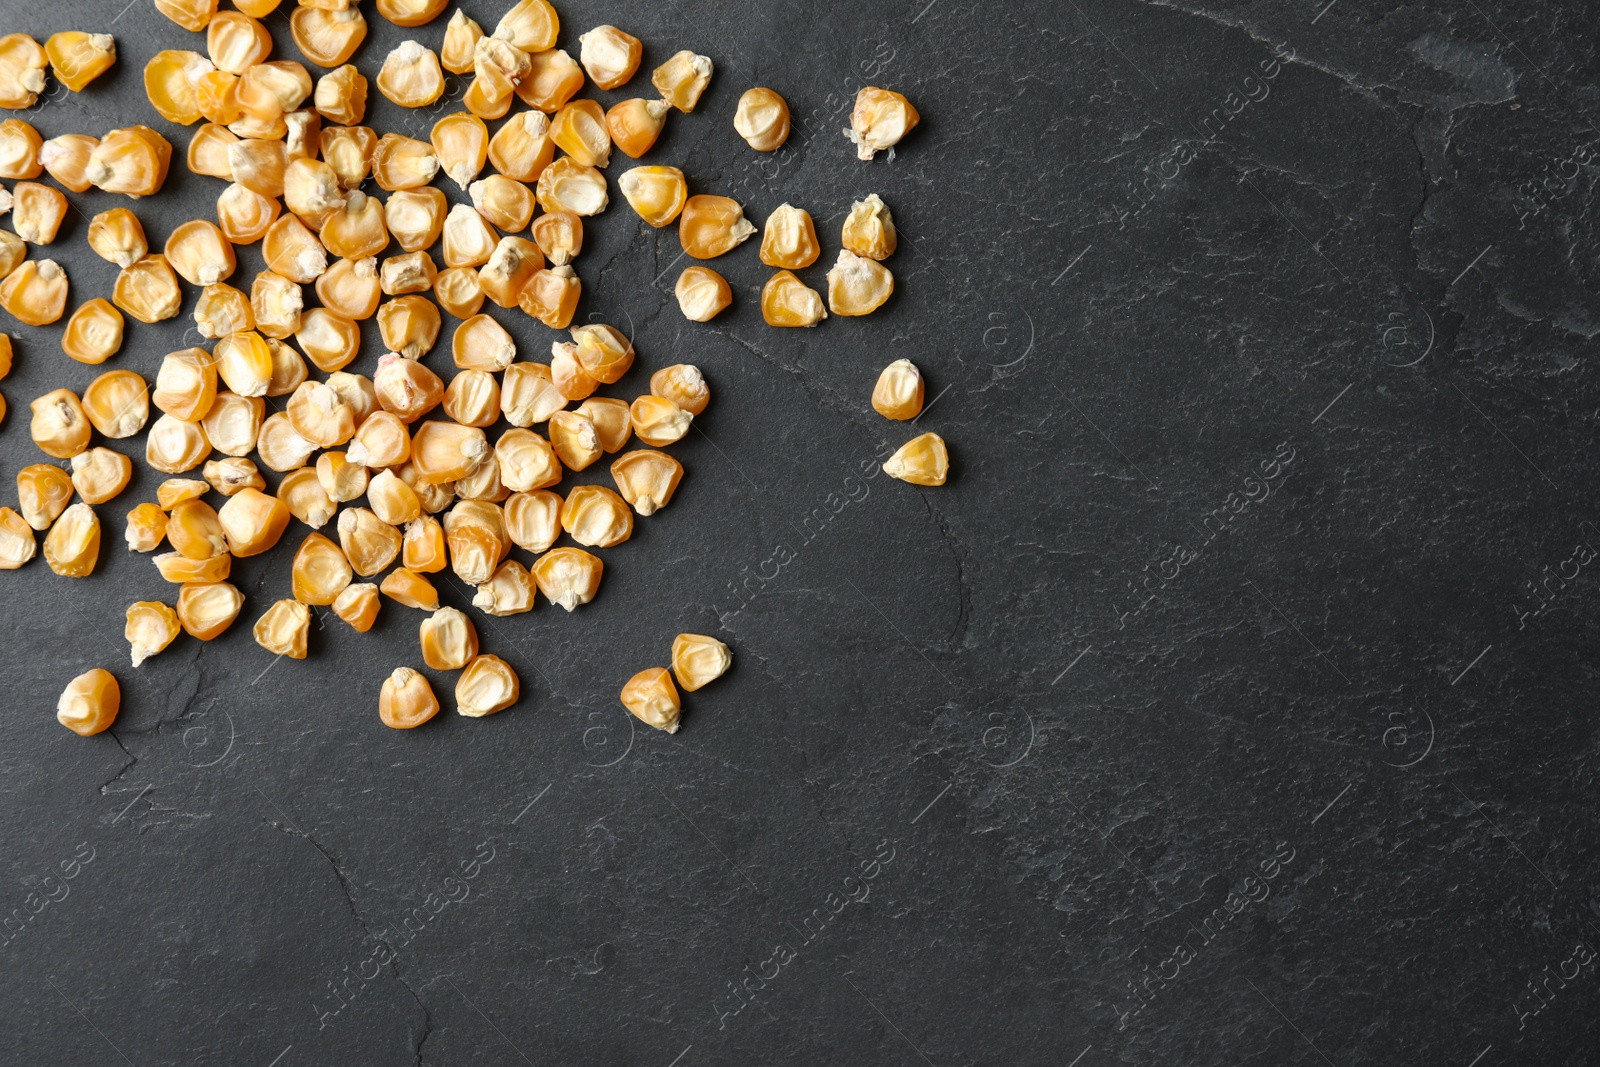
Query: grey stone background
x=1254, y=620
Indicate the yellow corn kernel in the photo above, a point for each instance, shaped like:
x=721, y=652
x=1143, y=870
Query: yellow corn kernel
x=200, y=253
x=12, y=250
x=921, y=461
x=461, y=144
x=175, y=491
x=681, y=79
x=341, y=96
x=526, y=461
x=290, y=249
x=186, y=384
x=500, y=67
x=66, y=158
x=410, y=76
x=244, y=363
x=234, y=422
x=489, y=95
x=311, y=190
x=609, y=56
x=468, y=240
x=574, y=440
x=195, y=529
x=150, y=628
x=509, y=592
x=37, y=211
x=79, y=58
x=320, y=415
x=475, y=533
x=510, y=268
x=244, y=215
x=533, y=520
x=349, y=150
x=635, y=125
x=169, y=84
x=762, y=119
x=415, y=217
x=435, y=497
x=458, y=291
x=559, y=236
x=173, y=446
x=446, y=452
x=788, y=301
x=551, y=296
x=90, y=703
x=284, y=629
x=612, y=422
x=253, y=522
x=351, y=288
x=72, y=547
x=596, y=517
x=301, y=492
x=580, y=130
x=521, y=149
x=528, y=394
x=22, y=64
x=43, y=493
x=99, y=474
x=406, y=700
x=461, y=36
x=869, y=229
x=274, y=89
x=568, y=576
x=698, y=660
x=392, y=500
x=412, y=272
x=148, y=290
x=190, y=14
x=94, y=332
x=411, y=589
x=605, y=352
x=147, y=528
x=483, y=484
x=236, y=42
x=652, y=699
x=358, y=606
x=657, y=194
x=20, y=148
x=568, y=375
x=858, y=286
x=340, y=478
x=684, y=385
x=898, y=393
x=879, y=120
x=702, y=294
x=356, y=230
x=790, y=239
x=304, y=134
x=222, y=310
x=17, y=543
x=329, y=339
x=369, y=543
x=506, y=203
x=59, y=427
x=131, y=161
x=531, y=25
x=320, y=571
x=233, y=474
x=487, y=685
x=216, y=95
x=411, y=12
x=35, y=293
x=328, y=36
x=449, y=640
x=422, y=548
x=276, y=303
x=409, y=325
x=481, y=343
x=117, y=403
x=356, y=390
x=712, y=225
x=117, y=237
x=553, y=77
x=566, y=185
x=402, y=163
x=657, y=421
x=646, y=479
x=382, y=439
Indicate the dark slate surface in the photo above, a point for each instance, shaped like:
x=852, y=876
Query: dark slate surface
x=1243, y=660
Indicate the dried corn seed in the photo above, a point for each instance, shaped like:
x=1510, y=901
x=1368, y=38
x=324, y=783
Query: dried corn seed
x=43, y=493
x=381, y=441
x=284, y=629
x=99, y=474
x=190, y=14
x=681, y=79
x=411, y=12
x=175, y=491
x=526, y=461
x=169, y=84
x=79, y=58
x=236, y=42
x=762, y=119
x=412, y=272
x=489, y=96
x=341, y=96
x=340, y=478
x=37, y=211
x=349, y=150
x=468, y=240
x=566, y=185
x=435, y=496
x=90, y=703
x=858, y=286
x=179, y=569
x=551, y=296
x=117, y=237
x=17, y=543
x=698, y=660
x=559, y=236
x=222, y=310
x=20, y=146
x=151, y=626
x=449, y=640
x=657, y=421
x=656, y=194
x=186, y=384
x=505, y=203
x=257, y=9
x=131, y=161
x=216, y=94
x=328, y=36
x=94, y=332
x=605, y=352
x=458, y=291
x=568, y=576
x=402, y=163
x=328, y=339
x=392, y=500
x=406, y=700
x=293, y=251
x=256, y=164
x=461, y=143
x=281, y=86
x=358, y=606
x=253, y=522
x=530, y=25
x=473, y=398
x=174, y=446
x=446, y=452
x=510, y=268
x=481, y=343
x=533, y=520
x=409, y=325
x=788, y=301
x=652, y=699
x=790, y=239
x=311, y=190
x=613, y=425
x=609, y=56
x=922, y=460
x=509, y=592
x=475, y=533
x=288, y=369
x=234, y=422
x=684, y=385
x=12, y=250
x=580, y=129
x=358, y=391
x=59, y=427
x=712, y=225
x=351, y=288
x=301, y=492
x=411, y=589
x=148, y=290
x=869, y=229
x=320, y=415
x=280, y=446
x=574, y=440
x=244, y=215
x=568, y=375
x=596, y=517
x=646, y=479
x=415, y=217
x=66, y=158
x=35, y=293
x=879, y=120
x=146, y=529
x=229, y=476
x=244, y=362
x=22, y=64
x=276, y=303
x=635, y=125
x=72, y=547
x=304, y=134
x=411, y=76
x=195, y=529
x=487, y=685
x=461, y=36
x=500, y=67
x=357, y=229
x=898, y=394
x=369, y=543
x=702, y=294
x=200, y=253
x=423, y=548
x=553, y=77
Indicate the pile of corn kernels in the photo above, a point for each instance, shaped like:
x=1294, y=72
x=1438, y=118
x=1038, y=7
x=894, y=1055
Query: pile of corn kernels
x=295, y=175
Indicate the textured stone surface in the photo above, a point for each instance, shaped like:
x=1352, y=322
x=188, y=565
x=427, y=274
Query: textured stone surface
x=1259, y=333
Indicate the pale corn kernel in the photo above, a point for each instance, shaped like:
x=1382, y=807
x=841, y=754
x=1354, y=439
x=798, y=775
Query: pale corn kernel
x=409, y=325
x=521, y=149
x=244, y=215
x=403, y=163
x=568, y=375
x=175, y=491
x=526, y=461
x=392, y=500
x=487, y=685
x=461, y=143
x=531, y=25
x=79, y=58
x=280, y=446
x=320, y=415
x=20, y=147
x=66, y=159
x=551, y=296
x=684, y=385
x=278, y=87
x=216, y=94
x=411, y=76
x=505, y=203
x=234, y=422
x=43, y=493
x=179, y=569
x=301, y=492
x=258, y=165
x=656, y=194
x=879, y=120
x=509, y=592
x=533, y=520
x=195, y=529
x=646, y=479
x=35, y=293
x=787, y=301
x=410, y=589
x=712, y=225
x=131, y=161
x=475, y=533
x=147, y=528
x=410, y=13
x=12, y=249
x=411, y=272
x=222, y=310
x=351, y=288
x=461, y=36
x=349, y=150
x=328, y=339
x=790, y=239
x=369, y=543
x=311, y=190
x=559, y=236
x=609, y=56
x=148, y=290
x=200, y=253
x=553, y=78
x=899, y=391
x=253, y=522
x=328, y=36
x=72, y=547
x=382, y=440
x=117, y=237
x=90, y=703
x=358, y=605
x=341, y=478
x=288, y=369
x=858, y=286
x=657, y=421
x=190, y=14
x=320, y=571
x=613, y=424
x=574, y=440
x=356, y=390
x=510, y=268
x=22, y=65
x=99, y=474
x=652, y=699
x=702, y=294
x=596, y=517
x=304, y=134
x=341, y=96
x=276, y=303
x=580, y=130
x=435, y=496
x=93, y=333
x=17, y=543
x=762, y=119
x=446, y=452
x=357, y=229
x=59, y=426
x=473, y=398
x=169, y=84
x=922, y=460
x=151, y=626
x=635, y=125
x=293, y=251
x=415, y=217
x=566, y=185
x=36, y=212
x=229, y=476
x=244, y=363
x=682, y=79
x=528, y=394
x=422, y=548
x=481, y=343
x=698, y=660
x=483, y=483
x=284, y=629
x=605, y=352
x=186, y=384
x=406, y=700
x=449, y=640
x=458, y=291
x=468, y=240
x=868, y=230
x=500, y=67
x=568, y=576
x=236, y=42
x=489, y=96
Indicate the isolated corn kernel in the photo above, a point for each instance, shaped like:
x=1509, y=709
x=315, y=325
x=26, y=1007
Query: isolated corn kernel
x=574, y=440
x=43, y=492
x=253, y=522
x=921, y=461
x=35, y=293
x=530, y=25
x=328, y=339
x=789, y=239
x=566, y=185
x=682, y=79
x=698, y=660
x=59, y=427
x=702, y=294
x=509, y=592
x=349, y=150
x=244, y=362
x=151, y=626
x=868, y=230
x=712, y=225
x=899, y=391
x=79, y=58
x=469, y=241
x=328, y=36
x=551, y=296
x=646, y=479
x=232, y=475
x=369, y=543
x=190, y=14
x=280, y=446
x=449, y=640
x=406, y=700
x=409, y=325
x=658, y=421
x=175, y=491
x=90, y=703
x=403, y=163
x=879, y=120
x=788, y=301
x=311, y=190
x=99, y=474
x=684, y=385
x=605, y=352
x=568, y=375
x=356, y=390
x=609, y=56
x=351, y=288
x=236, y=42
x=22, y=65
x=526, y=461
x=422, y=546
x=553, y=77
x=358, y=605
x=521, y=149
x=148, y=290
x=17, y=543
x=36, y=212
x=12, y=249
x=653, y=700
x=533, y=519
x=20, y=148
x=284, y=629
x=458, y=292
x=72, y=547
x=487, y=685
x=66, y=159
x=762, y=119
x=858, y=286
x=293, y=251
x=656, y=194
x=635, y=125
x=93, y=333
x=258, y=165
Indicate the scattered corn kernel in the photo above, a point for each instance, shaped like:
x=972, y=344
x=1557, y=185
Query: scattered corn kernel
x=320, y=572
x=358, y=606
x=174, y=446
x=681, y=79
x=148, y=290
x=656, y=194
x=574, y=440
x=646, y=479
x=790, y=239
x=341, y=96
x=596, y=517
x=553, y=78
x=511, y=266
x=190, y=14
x=59, y=427
x=526, y=461
x=66, y=158
x=921, y=461
x=567, y=185
x=702, y=294
x=222, y=310
x=858, y=286
x=94, y=332
x=403, y=163
x=328, y=36
x=461, y=36
x=509, y=592
x=117, y=237
x=653, y=699
x=90, y=703
x=151, y=626
x=43, y=492
x=423, y=547
x=712, y=225
x=79, y=58
x=284, y=628
x=551, y=296
x=411, y=76
x=449, y=640
x=369, y=543
x=146, y=529
x=762, y=119
x=35, y=293
x=609, y=55
x=684, y=385
x=22, y=64
x=568, y=576
x=879, y=120
x=788, y=301
x=898, y=394
x=232, y=474
x=170, y=78
x=406, y=700
x=487, y=685
x=20, y=148
x=411, y=589
x=698, y=660
x=635, y=125
x=658, y=421
x=17, y=544
x=869, y=229
x=72, y=547
x=99, y=474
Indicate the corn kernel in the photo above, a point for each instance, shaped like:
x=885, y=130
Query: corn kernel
x=790, y=239
x=646, y=479
x=411, y=76
x=99, y=474
x=175, y=491
x=72, y=547
x=150, y=628
x=468, y=240
x=489, y=95
x=275, y=303
x=409, y=325
x=216, y=95
x=475, y=532
x=94, y=332
x=169, y=84
x=301, y=492
x=22, y=64
x=553, y=78
x=258, y=165
x=269, y=91
x=596, y=517
x=148, y=290
x=90, y=703
x=712, y=225
x=657, y=421
x=200, y=253
x=402, y=163
x=481, y=343
x=412, y=272
x=879, y=120
x=43, y=492
x=422, y=548
x=244, y=215
x=415, y=217
x=382, y=440
x=174, y=446
x=351, y=288
x=293, y=251
x=788, y=301
x=406, y=700
x=449, y=640
x=898, y=394
x=921, y=461
x=320, y=415
x=369, y=543
x=79, y=58
x=506, y=203
x=253, y=522
x=66, y=158
x=613, y=425
x=656, y=194
x=59, y=427
x=146, y=529
x=411, y=12
x=568, y=375
x=328, y=36
x=244, y=363
x=195, y=529
x=652, y=699
x=17, y=544
x=698, y=660
x=762, y=119
x=445, y=452
x=559, y=236
x=461, y=144
x=461, y=36
x=356, y=390
x=510, y=267
x=635, y=125
x=681, y=79
x=357, y=229
x=580, y=129
x=531, y=25
x=566, y=185
x=487, y=685
x=20, y=148
x=521, y=149
x=329, y=339
x=233, y=474
x=304, y=136
x=117, y=237
x=284, y=628
x=341, y=96
x=234, y=422
x=186, y=384
x=458, y=291
x=12, y=250
x=435, y=496
x=35, y=293
x=131, y=161
x=280, y=446
x=358, y=606
x=509, y=592
x=858, y=286
x=483, y=484
x=869, y=229
x=190, y=14
x=411, y=589
x=526, y=461
x=551, y=296
x=236, y=42
x=340, y=478
x=392, y=500
x=311, y=190
x=533, y=520
x=37, y=212
x=702, y=294
x=349, y=150
x=609, y=56
x=574, y=440
x=222, y=310
x=684, y=385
